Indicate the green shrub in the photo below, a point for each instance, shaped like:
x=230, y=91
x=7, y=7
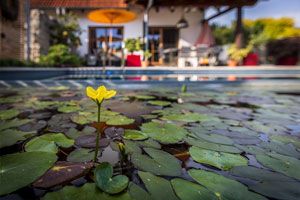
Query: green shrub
x=17, y=63
x=59, y=55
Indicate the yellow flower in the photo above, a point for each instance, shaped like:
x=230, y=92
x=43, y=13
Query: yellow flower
x=122, y=147
x=99, y=94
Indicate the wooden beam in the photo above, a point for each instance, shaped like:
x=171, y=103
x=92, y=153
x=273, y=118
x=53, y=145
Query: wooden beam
x=218, y=14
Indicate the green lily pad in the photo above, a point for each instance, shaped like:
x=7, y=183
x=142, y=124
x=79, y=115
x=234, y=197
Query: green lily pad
x=13, y=99
x=119, y=120
x=215, y=138
x=69, y=109
x=160, y=103
x=283, y=164
x=168, y=133
x=11, y=136
x=20, y=169
x=8, y=114
x=134, y=135
x=81, y=155
x=159, y=188
x=190, y=117
x=48, y=143
x=286, y=188
x=144, y=97
x=73, y=133
x=281, y=148
x=223, y=187
x=187, y=190
x=62, y=173
x=149, y=143
x=13, y=123
x=251, y=149
x=130, y=147
x=85, y=192
x=295, y=140
x=159, y=162
x=137, y=193
x=224, y=161
x=39, y=105
x=84, y=118
x=149, y=116
x=211, y=146
x=105, y=181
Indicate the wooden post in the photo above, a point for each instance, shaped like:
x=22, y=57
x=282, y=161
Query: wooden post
x=239, y=32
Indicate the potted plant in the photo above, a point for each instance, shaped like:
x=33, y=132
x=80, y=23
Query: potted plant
x=237, y=55
x=147, y=55
x=132, y=45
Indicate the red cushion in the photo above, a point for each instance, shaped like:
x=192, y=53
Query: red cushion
x=251, y=59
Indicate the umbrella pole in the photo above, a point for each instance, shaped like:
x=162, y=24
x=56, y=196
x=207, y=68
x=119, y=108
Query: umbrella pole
x=110, y=47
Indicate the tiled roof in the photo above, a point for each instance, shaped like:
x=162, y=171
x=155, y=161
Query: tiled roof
x=78, y=3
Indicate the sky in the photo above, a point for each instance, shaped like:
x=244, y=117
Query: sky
x=263, y=9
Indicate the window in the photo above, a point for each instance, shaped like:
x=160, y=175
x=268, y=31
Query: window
x=99, y=38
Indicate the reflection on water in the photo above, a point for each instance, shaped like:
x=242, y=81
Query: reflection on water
x=172, y=77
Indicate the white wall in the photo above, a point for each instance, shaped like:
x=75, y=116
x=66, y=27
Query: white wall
x=134, y=29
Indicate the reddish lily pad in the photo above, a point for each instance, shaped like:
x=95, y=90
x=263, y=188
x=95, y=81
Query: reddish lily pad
x=62, y=173
x=33, y=126
x=89, y=141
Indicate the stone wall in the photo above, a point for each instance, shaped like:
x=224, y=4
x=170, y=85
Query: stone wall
x=40, y=33
x=12, y=33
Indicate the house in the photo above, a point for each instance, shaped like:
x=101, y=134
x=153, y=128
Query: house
x=157, y=21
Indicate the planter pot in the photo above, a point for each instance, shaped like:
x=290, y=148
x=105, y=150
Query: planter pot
x=251, y=59
x=145, y=64
x=232, y=63
x=133, y=60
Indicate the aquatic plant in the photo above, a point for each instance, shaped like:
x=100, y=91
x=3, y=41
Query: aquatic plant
x=98, y=96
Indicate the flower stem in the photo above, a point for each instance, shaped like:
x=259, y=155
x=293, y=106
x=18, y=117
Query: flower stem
x=98, y=133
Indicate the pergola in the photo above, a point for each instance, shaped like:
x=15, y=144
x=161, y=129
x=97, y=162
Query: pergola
x=223, y=6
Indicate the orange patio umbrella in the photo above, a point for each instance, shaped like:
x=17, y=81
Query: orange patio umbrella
x=111, y=16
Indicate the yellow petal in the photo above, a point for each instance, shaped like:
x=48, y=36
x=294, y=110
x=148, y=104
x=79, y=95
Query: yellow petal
x=90, y=92
x=99, y=98
x=109, y=94
x=101, y=89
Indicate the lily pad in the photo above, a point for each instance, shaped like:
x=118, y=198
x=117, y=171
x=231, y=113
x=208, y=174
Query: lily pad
x=251, y=149
x=11, y=136
x=190, y=117
x=149, y=143
x=74, y=133
x=23, y=169
x=215, y=138
x=8, y=114
x=159, y=162
x=113, y=132
x=211, y=146
x=283, y=164
x=168, y=133
x=89, y=141
x=223, y=187
x=130, y=147
x=159, y=188
x=13, y=123
x=149, y=116
x=144, y=97
x=187, y=190
x=107, y=183
x=281, y=148
x=33, y=126
x=119, y=120
x=160, y=103
x=295, y=140
x=286, y=188
x=48, y=143
x=137, y=193
x=85, y=192
x=224, y=161
x=135, y=135
x=13, y=99
x=81, y=155
x=69, y=109
x=62, y=173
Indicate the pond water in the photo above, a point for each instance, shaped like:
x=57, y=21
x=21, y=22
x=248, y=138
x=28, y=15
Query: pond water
x=222, y=143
